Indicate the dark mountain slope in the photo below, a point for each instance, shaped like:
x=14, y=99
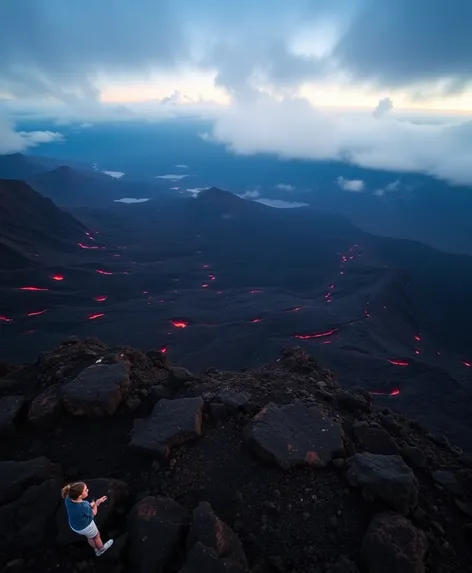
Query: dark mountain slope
x=70, y=187
x=30, y=223
x=232, y=281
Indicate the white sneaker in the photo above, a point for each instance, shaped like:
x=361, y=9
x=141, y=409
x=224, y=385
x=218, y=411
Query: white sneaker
x=107, y=545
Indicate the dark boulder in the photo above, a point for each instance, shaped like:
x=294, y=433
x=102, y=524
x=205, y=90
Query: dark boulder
x=178, y=376
x=374, y=439
x=448, y=481
x=171, y=422
x=414, y=457
x=115, y=490
x=233, y=400
x=97, y=391
x=10, y=408
x=393, y=545
x=202, y=559
x=353, y=402
x=386, y=477
x=156, y=527
x=23, y=522
x=45, y=408
x=295, y=434
x=208, y=529
x=16, y=477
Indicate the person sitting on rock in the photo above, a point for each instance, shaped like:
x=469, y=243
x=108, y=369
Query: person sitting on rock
x=81, y=515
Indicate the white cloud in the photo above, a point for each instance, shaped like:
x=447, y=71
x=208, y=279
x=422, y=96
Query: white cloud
x=182, y=166
x=12, y=141
x=383, y=107
x=114, y=174
x=278, y=204
x=171, y=177
x=250, y=194
x=393, y=186
x=130, y=200
x=351, y=184
x=196, y=191
x=293, y=129
x=285, y=187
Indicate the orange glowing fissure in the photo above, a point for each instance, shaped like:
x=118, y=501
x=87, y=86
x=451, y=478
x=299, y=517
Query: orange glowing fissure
x=179, y=323
x=57, y=278
x=33, y=288
x=100, y=272
x=37, y=313
x=316, y=335
x=398, y=362
x=97, y=315
x=394, y=392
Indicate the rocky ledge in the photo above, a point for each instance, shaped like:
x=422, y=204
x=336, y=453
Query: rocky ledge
x=272, y=470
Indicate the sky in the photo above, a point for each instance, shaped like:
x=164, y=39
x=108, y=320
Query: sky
x=381, y=83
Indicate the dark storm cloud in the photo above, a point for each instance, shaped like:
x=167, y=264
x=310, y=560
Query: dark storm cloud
x=65, y=47
x=397, y=43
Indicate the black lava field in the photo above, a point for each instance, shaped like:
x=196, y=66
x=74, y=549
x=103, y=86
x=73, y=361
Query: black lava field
x=222, y=282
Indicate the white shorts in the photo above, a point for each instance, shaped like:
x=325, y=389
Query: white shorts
x=90, y=531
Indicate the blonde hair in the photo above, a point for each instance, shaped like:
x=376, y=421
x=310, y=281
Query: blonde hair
x=73, y=490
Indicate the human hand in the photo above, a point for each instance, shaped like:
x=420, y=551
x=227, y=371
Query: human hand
x=102, y=499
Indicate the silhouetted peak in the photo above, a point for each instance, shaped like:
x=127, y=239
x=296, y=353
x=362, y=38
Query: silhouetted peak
x=219, y=197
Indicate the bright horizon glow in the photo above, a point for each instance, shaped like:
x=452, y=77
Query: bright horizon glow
x=194, y=87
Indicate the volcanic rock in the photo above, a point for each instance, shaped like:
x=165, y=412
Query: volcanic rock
x=202, y=559
x=45, y=408
x=115, y=490
x=178, y=376
x=208, y=529
x=448, y=482
x=294, y=435
x=16, y=477
x=97, y=391
x=10, y=407
x=393, y=545
x=353, y=402
x=386, y=477
x=343, y=565
x=156, y=528
x=414, y=457
x=171, y=422
x=233, y=400
x=23, y=522
x=374, y=439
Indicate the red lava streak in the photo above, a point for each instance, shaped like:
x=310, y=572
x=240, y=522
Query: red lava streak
x=418, y=337
x=468, y=364
x=6, y=319
x=179, y=323
x=37, y=313
x=394, y=392
x=204, y=285
x=33, y=288
x=212, y=277
x=317, y=335
x=100, y=298
x=255, y=291
x=103, y=272
x=94, y=316
x=398, y=362
x=57, y=278
x=164, y=349
x=256, y=320
x=296, y=309
x=82, y=246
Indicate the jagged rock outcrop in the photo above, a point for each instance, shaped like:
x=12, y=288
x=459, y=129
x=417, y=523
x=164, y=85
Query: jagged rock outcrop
x=212, y=503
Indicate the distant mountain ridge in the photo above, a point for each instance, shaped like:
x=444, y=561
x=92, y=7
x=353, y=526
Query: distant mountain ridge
x=30, y=222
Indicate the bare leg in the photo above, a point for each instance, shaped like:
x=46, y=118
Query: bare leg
x=98, y=542
x=91, y=542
